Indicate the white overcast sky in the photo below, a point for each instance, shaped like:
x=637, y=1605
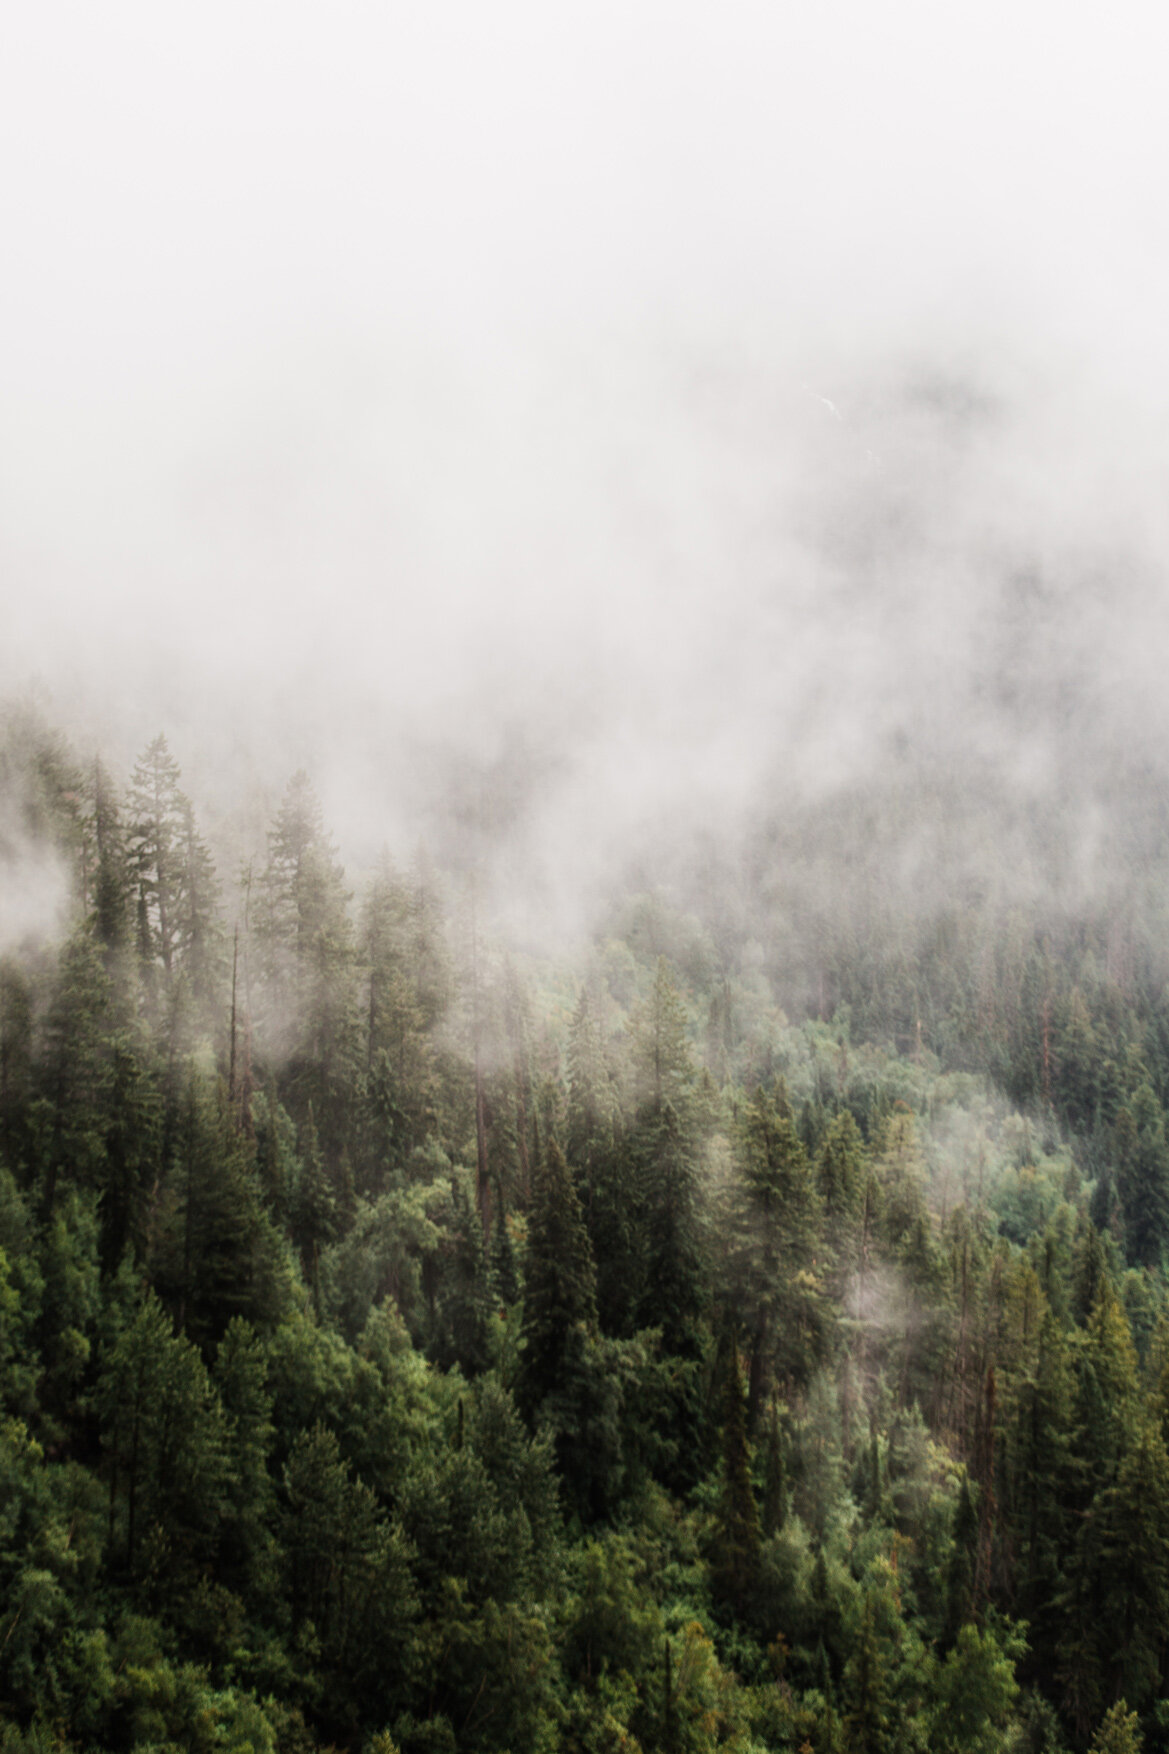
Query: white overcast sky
x=376, y=375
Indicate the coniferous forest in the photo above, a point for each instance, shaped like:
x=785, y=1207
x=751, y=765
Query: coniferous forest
x=750, y=1333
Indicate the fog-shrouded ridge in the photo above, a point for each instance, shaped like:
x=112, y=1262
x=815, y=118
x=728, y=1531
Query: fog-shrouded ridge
x=613, y=448
x=721, y=604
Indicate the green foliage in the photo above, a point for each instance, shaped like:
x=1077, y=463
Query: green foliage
x=215, y=1252
x=777, y=1225
x=560, y=1310
x=736, y=1541
x=1119, y=1733
x=1141, y=1156
x=165, y=1442
x=976, y=1690
x=311, y=1437
x=351, y=1592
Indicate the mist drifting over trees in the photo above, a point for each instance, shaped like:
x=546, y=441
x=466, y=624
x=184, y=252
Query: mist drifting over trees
x=584, y=1029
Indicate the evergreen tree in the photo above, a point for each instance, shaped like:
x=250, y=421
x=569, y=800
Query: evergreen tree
x=674, y=1289
x=559, y=1283
x=1089, y=1269
x=314, y=1209
x=1105, y=1371
x=349, y=1579
x=504, y=1273
x=217, y=1254
x=198, y=931
x=840, y=1179
x=248, y=1550
x=775, y=1480
x=166, y=1446
x=592, y=1106
x=1042, y=1481
x=976, y=1689
x=1119, y=1732
x=154, y=831
x=662, y=1057
x=309, y=966
x=16, y=1060
x=133, y=1142
x=962, y=1569
x=1135, y=1567
x=75, y=1072
x=776, y=1227
x=868, y=1724
x=609, y=1193
x=736, y=1543
x=1142, y=1176
x=400, y=1059
x=112, y=882
x=465, y=1295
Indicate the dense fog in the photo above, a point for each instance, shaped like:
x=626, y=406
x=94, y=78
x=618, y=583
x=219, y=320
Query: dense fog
x=563, y=435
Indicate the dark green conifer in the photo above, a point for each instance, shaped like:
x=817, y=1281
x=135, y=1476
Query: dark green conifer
x=774, y=1480
x=868, y=1724
x=314, y=1211
x=112, y=881
x=1119, y=1732
x=466, y=1299
x=559, y=1282
x=963, y=1563
x=674, y=1288
x=775, y=1219
x=1142, y=1176
x=736, y=1548
x=504, y=1275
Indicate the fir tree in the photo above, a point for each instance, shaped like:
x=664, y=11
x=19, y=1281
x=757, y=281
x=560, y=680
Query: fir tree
x=112, y=880
x=1119, y=1732
x=736, y=1546
x=309, y=965
x=868, y=1724
x=776, y=1220
x=1142, y=1176
x=775, y=1479
x=465, y=1296
x=559, y=1283
x=674, y=1290
x=661, y=1044
x=314, y=1212
x=154, y=803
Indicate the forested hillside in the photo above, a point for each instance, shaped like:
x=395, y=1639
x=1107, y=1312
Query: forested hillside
x=750, y=1332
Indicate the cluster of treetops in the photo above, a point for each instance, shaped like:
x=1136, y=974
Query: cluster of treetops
x=409, y=1346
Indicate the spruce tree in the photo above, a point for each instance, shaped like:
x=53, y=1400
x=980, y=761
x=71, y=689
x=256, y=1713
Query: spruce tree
x=662, y=1056
x=775, y=1479
x=112, y=880
x=840, y=1177
x=560, y=1303
x=591, y=1098
x=465, y=1293
x=868, y=1724
x=309, y=968
x=1142, y=1176
x=736, y=1545
x=775, y=1221
x=1119, y=1732
x=674, y=1284
x=1135, y=1568
x=314, y=1208
x=401, y=1074
x=155, y=828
